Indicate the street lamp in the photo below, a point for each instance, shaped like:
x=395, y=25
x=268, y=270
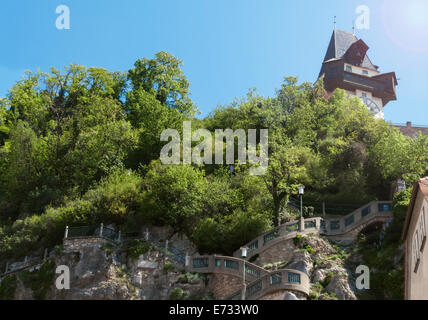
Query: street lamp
x=244, y=286
x=301, y=191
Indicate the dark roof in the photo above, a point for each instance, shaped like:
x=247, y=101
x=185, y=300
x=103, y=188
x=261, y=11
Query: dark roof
x=339, y=43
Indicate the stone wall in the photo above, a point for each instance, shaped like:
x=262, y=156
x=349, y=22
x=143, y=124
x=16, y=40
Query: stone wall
x=411, y=131
x=281, y=252
x=223, y=285
x=78, y=244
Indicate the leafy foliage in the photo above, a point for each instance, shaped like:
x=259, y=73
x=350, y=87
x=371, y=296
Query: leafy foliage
x=82, y=146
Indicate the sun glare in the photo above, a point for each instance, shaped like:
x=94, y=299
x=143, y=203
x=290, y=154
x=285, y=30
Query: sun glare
x=406, y=23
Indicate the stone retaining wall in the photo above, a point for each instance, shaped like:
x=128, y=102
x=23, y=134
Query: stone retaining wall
x=224, y=285
x=80, y=243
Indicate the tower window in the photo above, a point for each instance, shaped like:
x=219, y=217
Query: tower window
x=365, y=72
x=364, y=95
x=348, y=68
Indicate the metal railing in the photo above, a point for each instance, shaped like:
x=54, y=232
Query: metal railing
x=329, y=227
x=286, y=279
x=28, y=262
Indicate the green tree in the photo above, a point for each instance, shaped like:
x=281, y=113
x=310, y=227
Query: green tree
x=174, y=195
x=285, y=172
x=163, y=78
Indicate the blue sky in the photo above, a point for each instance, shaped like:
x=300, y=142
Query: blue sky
x=227, y=46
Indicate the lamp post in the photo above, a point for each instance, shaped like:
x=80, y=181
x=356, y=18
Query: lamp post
x=244, y=286
x=301, y=191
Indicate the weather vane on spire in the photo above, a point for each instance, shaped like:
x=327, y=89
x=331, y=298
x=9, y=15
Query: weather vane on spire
x=334, y=22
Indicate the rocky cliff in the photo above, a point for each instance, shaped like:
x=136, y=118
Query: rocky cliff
x=99, y=271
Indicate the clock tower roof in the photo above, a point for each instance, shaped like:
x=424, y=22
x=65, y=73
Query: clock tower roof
x=347, y=66
x=341, y=42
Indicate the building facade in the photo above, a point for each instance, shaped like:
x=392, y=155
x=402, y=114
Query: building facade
x=347, y=66
x=415, y=248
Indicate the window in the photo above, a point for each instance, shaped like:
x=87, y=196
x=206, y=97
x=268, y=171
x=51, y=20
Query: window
x=416, y=251
x=364, y=95
x=422, y=230
x=348, y=68
x=365, y=72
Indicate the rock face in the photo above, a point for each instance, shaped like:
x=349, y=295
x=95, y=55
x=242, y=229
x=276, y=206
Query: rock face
x=94, y=275
x=100, y=271
x=156, y=280
x=315, y=256
x=284, y=295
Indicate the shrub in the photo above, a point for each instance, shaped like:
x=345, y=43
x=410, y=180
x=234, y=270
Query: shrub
x=177, y=294
x=168, y=266
x=39, y=281
x=8, y=287
x=135, y=248
x=226, y=234
x=296, y=239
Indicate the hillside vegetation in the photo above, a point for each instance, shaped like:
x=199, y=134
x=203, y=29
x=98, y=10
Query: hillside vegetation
x=82, y=146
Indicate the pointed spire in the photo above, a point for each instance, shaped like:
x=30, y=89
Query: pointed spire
x=353, y=27
x=334, y=23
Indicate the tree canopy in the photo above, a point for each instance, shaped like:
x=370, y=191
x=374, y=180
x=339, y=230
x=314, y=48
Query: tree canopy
x=82, y=146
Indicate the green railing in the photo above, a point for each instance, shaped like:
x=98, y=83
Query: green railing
x=254, y=288
x=110, y=233
x=270, y=236
x=252, y=271
x=253, y=246
x=292, y=227
x=200, y=263
x=349, y=220
x=310, y=224
x=85, y=231
x=275, y=278
x=129, y=235
x=294, y=277
x=366, y=211
x=231, y=264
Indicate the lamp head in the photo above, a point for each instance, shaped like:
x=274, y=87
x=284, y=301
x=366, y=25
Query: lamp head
x=301, y=189
x=244, y=252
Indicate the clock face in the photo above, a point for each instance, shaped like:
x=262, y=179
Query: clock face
x=371, y=105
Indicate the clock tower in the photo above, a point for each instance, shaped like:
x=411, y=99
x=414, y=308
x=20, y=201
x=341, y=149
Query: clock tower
x=347, y=66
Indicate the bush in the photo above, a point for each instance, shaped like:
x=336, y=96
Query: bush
x=39, y=281
x=296, y=239
x=168, y=266
x=114, y=199
x=227, y=234
x=134, y=248
x=8, y=287
x=188, y=278
x=177, y=294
